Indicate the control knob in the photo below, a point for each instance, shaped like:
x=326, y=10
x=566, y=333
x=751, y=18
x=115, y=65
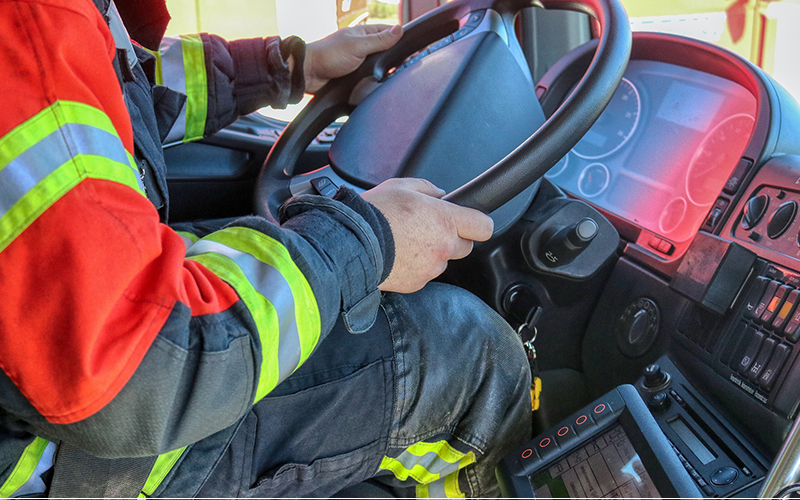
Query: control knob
x=780, y=221
x=568, y=242
x=754, y=211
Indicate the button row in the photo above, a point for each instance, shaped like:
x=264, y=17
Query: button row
x=701, y=483
x=758, y=358
x=774, y=306
x=568, y=432
x=471, y=23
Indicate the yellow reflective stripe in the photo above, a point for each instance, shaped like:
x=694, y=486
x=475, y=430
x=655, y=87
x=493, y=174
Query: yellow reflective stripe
x=422, y=491
x=440, y=459
x=264, y=315
x=451, y=489
x=26, y=465
x=46, y=193
x=48, y=121
x=250, y=248
x=164, y=464
x=159, y=75
x=194, y=64
x=445, y=487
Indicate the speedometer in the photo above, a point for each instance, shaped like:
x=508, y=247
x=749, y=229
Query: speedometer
x=615, y=126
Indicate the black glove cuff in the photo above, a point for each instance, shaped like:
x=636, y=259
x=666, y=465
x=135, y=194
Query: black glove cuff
x=295, y=46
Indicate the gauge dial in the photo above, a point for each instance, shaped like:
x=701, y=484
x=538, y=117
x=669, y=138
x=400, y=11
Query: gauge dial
x=716, y=157
x=593, y=180
x=615, y=126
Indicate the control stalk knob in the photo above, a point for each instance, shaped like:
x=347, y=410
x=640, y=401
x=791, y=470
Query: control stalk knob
x=568, y=242
x=654, y=377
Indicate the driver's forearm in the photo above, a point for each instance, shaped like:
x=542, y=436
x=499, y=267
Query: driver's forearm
x=224, y=80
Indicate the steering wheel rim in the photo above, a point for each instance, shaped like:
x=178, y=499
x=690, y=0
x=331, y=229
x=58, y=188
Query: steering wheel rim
x=520, y=168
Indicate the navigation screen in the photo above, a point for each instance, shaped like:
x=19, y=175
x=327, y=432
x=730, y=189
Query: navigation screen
x=607, y=467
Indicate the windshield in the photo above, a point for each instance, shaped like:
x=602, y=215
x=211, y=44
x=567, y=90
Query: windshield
x=764, y=32
x=308, y=19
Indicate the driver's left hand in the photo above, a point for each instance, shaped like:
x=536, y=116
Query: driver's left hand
x=343, y=51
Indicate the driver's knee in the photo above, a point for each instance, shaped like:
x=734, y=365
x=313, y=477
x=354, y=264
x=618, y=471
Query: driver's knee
x=449, y=345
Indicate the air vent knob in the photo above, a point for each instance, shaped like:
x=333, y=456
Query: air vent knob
x=754, y=210
x=781, y=219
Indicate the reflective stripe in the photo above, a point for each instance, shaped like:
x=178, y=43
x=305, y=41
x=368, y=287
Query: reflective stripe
x=36, y=457
x=49, y=154
x=275, y=292
x=172, y=76
x=164, y=464
x=427, y=462
x=183, y=69
x=157, y=55
x=446, y=487
x=188, y=238
x=194, y=62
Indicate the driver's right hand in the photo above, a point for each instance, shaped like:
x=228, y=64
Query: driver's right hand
x=427, y=231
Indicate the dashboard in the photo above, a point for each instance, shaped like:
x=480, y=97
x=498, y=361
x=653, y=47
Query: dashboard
x=663, y=148
x=695, y=162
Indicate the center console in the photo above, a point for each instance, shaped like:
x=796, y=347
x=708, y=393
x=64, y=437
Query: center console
x=659, y=439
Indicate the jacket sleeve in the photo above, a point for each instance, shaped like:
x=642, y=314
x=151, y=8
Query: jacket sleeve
x=224, y=80
x=118, y=333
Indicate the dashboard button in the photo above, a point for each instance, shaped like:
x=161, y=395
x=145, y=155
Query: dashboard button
x=324, y=186
x=739, y=173
x=742, y=345
x=761, y=360
x=750, y=353
x=565, y=436
x=724, y=476
x=792, y=332
x=766, y=298
x=475, y=18
x=716, y=214
x=583, y=424
x=780, y=221
x=786, y=310
x=775, y=303
x=770, y=374
x=754, y=211
x=547, y=447
x=754, y=296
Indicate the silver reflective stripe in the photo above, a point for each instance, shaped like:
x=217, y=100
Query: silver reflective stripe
x=271, y=284
x=430, y=461
x=436, y=489
x=43, y=158
x=34, y=484
x=174, y=77
x=186, y=241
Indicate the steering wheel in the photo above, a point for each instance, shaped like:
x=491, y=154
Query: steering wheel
x=380, y=75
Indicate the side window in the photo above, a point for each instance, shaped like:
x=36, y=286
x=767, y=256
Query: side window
x=764, y=32
x=308, y=19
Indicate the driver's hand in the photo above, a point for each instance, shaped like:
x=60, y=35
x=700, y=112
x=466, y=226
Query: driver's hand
x=427, y=231
x=343, y=51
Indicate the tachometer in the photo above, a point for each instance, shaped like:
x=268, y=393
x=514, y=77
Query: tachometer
x=716, y=157
x=615, y=126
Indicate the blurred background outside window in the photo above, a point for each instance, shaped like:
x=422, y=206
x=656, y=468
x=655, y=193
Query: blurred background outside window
x=766, y=32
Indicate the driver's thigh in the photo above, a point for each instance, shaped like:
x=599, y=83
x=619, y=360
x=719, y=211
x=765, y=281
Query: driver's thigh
x=462, y=379
x=438, y=365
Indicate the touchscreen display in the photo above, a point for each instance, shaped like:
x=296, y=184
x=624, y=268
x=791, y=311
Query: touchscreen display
x=606, y=467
